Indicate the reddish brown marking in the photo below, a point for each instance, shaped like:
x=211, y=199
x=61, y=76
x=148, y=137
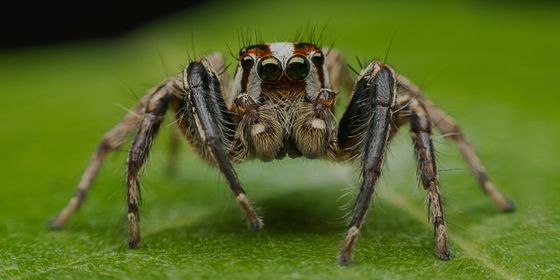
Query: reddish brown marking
x=306, y=49
x=325, y=100
x=257, y=50
x=245, y=104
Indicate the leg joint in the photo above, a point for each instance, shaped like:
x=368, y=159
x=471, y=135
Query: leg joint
x=438, y=221
x=105, y=146
x=429, y=179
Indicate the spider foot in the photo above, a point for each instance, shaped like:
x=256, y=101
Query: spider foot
x=134, y=233
x=507, y=207
x=55, y=225
x=345, y=256
x=443, y=254
x=255, y=222
x=133, y=244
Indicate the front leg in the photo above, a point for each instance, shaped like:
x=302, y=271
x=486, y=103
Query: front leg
x=209, y=126
x=364, y=133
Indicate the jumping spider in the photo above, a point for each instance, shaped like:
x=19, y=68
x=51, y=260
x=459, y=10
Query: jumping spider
x=281, y=102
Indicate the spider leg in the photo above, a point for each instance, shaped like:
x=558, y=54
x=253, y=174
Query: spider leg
x=217, y=63
x=364, y=132
x=210, y=129
x=421, y=132
x=173, y=150
x=111, y=141
x=154, y=113
x=448, y=126
x=337, y=67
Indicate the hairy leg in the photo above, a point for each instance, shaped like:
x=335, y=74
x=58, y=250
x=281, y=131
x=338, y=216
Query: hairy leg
x=111, y=141
x=364, y=133
x=337, y=67
x=173, y=150
x=209, y=127
x=421, y=131
x=154, y=112
x=216, y=63
x=448, y=126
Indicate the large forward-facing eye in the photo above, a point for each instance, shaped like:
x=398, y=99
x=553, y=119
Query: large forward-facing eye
x=269, y=69
x=297, y=68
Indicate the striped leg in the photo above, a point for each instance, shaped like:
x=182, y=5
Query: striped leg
x=421, y=133
x=448, y=126
x=111, y=141
x=154, y=113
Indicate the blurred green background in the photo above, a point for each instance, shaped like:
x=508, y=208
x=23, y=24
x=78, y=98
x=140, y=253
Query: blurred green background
x=492, y=65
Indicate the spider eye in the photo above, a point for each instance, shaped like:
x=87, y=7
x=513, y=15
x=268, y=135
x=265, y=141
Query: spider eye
x=298, y=68
x=247, y=62
x=318, y=58
x=269, y=69
x=242, y=51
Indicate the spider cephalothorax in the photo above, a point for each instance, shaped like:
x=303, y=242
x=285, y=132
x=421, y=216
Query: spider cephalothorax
x=281, y=103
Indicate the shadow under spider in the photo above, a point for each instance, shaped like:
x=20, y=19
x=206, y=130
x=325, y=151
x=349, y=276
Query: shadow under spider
x=317, y=212
x=306, y=212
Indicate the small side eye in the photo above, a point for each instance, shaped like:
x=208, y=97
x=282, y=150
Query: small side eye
x=318, y=58
x=269, y=69
x=242, y=51
x=247, y=62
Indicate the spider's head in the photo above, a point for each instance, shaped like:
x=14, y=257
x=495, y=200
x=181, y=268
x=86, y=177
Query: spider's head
x=281, y=71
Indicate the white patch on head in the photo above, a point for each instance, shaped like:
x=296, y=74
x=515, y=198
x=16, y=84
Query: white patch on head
x=236, y=86
x=257, y=128
x=318, y=124
x=253, y=84
x=312, y=83
x=283, y=51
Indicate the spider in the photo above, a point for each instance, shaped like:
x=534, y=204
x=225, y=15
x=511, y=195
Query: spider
x=281, y=102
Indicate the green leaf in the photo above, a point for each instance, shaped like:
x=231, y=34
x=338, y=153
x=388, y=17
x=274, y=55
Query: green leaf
x=493, y=68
